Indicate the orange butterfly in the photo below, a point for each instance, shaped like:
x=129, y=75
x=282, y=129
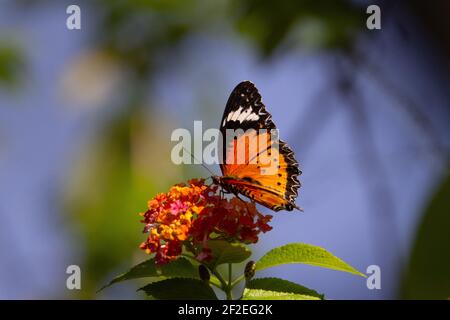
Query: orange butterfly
x=245, y=115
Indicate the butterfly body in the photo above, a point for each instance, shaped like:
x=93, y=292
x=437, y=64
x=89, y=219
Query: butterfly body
x=268, y=175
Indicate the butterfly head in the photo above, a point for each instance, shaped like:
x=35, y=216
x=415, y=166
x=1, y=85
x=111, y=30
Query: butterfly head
x=222, y=182
x=217, y=180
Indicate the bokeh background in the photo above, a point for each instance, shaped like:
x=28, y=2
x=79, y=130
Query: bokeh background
x=86, y=117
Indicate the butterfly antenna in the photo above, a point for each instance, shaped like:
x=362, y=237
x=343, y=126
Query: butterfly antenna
x=193, y=157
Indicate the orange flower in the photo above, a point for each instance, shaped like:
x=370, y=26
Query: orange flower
x=191, y=215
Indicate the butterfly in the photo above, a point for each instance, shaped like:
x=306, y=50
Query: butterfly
x=246, y=116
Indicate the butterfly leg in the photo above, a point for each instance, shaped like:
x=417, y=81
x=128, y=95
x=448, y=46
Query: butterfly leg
x=237, y=196
x=223, y=192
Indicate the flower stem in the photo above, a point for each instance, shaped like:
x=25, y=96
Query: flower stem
x=225, y=287
x=229, y=294
x=237, y=280
x=215, y=282
x=229, y=287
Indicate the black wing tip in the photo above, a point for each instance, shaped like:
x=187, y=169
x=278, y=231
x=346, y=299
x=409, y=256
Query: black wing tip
x=245, y=84
x=244, y=87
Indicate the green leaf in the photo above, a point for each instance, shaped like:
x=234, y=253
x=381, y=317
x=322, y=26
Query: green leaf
x=181, y=267
x=259, y=294
x=225, y=252
x=180, y=289
x=304, y=254
x=427, y=271
x=281, y=285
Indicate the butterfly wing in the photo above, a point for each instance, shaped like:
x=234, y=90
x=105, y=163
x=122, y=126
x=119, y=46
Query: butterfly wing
x=272, y=182
x=244, y=110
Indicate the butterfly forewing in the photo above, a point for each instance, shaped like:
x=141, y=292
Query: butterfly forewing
x=245, y=110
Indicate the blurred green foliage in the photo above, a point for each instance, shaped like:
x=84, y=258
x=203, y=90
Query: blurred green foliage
x=108, y=189
x=427, y=273
x=12, y=64
x=308, y=23
x=139, y=32
x=104, y=201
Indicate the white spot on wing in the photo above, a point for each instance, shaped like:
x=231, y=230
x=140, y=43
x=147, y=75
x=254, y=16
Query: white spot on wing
x=253, y=117
x=244, y=115
x=241, y=116
x=234, y=115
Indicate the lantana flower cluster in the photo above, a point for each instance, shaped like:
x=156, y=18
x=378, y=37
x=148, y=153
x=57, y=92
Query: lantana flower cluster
x=191, y=214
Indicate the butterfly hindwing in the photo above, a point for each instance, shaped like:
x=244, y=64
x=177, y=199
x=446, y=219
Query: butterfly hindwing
x=276, y=191
x=246, y=172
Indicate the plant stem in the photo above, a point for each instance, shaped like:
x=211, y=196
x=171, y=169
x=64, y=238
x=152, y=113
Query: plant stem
x=214, y=280
x=229, y=294
x=237, y=280
x=230, y=275
x=225, y=287
x=219, y=276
